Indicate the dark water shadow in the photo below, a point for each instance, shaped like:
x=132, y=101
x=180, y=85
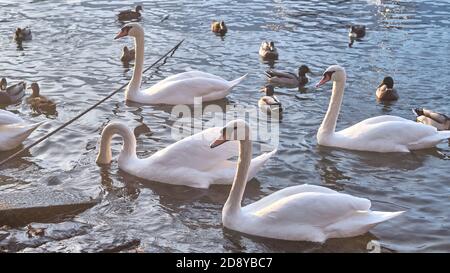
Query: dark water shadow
x=236, y=242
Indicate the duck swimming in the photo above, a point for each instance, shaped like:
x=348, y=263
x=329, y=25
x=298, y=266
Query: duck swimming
x=357, y=31
x=127, y=55
x=435, y=119
x=386, y=91
x=38, y=103
x=219, y=27
x=267, y=50
x=23, y=34
x=287, y=78
x=128, y=15
x=12, y=94
x=269, y=103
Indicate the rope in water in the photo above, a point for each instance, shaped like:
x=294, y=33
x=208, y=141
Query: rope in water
x=170, y=52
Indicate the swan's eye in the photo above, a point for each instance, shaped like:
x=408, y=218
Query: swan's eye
x=328, y=73
x=126, y=29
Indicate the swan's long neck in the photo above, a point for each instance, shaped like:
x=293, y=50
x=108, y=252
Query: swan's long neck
x=135, y=84
x=129, y=143
x=328, y=125
x=234, y=200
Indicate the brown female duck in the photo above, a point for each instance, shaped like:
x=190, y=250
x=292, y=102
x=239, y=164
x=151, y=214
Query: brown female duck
x=128, y=15
x=219, y=27
x=267, y=50
x=38, y=103
x=23, y=34
x=386, y=91
x=127, y=54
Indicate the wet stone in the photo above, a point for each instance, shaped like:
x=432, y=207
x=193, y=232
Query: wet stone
x=41, y=205
x=19, y=239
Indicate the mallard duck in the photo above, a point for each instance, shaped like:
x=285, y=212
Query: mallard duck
x=40, y=103
x=22, y=34
x=219, y=27
x=127, y=54
x=435, y=119
x=357, y=31
x=127, y=15
x=267, y=50
x=386, y=91
x=269, y=103
x=34, y=232
x=12, y=94
x=287, y=78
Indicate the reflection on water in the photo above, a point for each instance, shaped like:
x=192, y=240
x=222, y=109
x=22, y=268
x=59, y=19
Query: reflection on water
x=74, y=56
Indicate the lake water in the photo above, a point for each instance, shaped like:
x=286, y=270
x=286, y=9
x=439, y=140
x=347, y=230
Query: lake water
x=76, y=61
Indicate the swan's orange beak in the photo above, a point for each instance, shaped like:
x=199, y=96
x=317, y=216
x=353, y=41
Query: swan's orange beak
x=326, y=78
x=122, y=33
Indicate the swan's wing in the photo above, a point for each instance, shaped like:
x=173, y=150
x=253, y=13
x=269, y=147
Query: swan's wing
x=392, y=133
x=7, y=117
x=311, y=208
x=191, y=74
x=269, y=199
x=195, y=152
x=184, y=90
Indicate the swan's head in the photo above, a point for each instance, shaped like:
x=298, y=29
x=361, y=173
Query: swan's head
x=234, y=130
x=130, y=29
x=388, y=81
x=335, y=73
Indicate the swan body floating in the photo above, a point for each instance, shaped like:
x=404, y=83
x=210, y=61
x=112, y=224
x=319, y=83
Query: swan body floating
x=13, y=130
x=287, y=78
x=189, y=162
x=386, y=91
x=219, y=27
x=181, y=88
x=267, y=50
x=39, y=103
x=435, y=119
x=127, y=54
x=269, y=103
x=11, y=94
x=298, y=213
x=128, y=15
x=378, y=134
x=23, y=34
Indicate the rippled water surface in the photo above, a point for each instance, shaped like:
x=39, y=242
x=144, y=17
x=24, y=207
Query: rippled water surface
x=75, y=59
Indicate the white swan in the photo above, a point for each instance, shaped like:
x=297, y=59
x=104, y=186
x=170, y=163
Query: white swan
x=13, y=130
x=189, y=162
x=177, y=89
x=377, y=134
x=298, y=213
